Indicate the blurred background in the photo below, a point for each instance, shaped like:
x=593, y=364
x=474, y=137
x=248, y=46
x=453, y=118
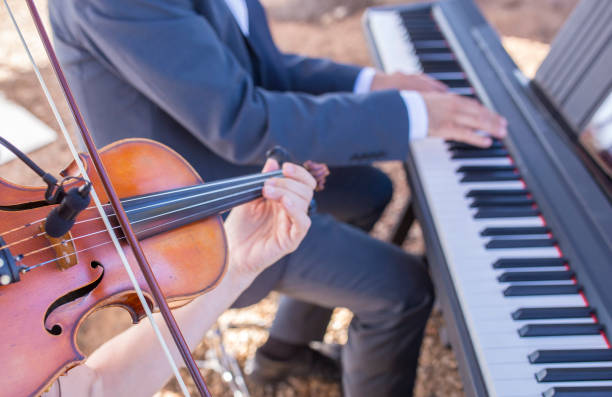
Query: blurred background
x=323, y=28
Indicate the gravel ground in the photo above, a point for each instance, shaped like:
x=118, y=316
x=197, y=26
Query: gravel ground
x=320, y=28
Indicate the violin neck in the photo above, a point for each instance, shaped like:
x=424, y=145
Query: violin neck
x=156, y=213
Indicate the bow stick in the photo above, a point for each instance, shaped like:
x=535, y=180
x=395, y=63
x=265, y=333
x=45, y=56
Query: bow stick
x=117, y=206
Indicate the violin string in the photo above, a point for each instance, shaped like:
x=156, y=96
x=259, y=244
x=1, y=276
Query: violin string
x=253, y=190
x=257, y=181
x=20, y=228
x=98, y=204
x=258, y=178
x=32, y=267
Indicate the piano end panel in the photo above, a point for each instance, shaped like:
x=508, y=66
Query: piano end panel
x=461, y=342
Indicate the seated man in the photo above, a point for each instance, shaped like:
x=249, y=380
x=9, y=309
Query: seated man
x=205, y=78
x=258, y=234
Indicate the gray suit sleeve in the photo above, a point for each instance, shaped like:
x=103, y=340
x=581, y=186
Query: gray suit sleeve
x=174, y=57
x=318, y=76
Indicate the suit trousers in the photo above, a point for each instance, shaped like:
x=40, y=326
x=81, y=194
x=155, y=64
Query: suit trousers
x=339, y=265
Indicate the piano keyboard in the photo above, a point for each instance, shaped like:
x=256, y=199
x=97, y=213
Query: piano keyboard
x=532, y=329
x=422, y=50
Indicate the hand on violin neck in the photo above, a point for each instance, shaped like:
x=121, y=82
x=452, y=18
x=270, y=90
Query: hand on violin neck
x=263, y=231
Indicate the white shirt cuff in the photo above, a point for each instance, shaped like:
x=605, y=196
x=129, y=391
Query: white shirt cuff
x=364, y=80
x=417, y=114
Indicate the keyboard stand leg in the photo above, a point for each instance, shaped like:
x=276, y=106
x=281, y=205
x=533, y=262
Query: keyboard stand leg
x=403, y=227
x=407, y=219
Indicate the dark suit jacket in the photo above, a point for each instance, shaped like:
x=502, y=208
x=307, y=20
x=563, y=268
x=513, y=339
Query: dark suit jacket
x=181, y=72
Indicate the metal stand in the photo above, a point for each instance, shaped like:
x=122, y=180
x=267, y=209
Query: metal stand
x=407, y=219
x=218, y=359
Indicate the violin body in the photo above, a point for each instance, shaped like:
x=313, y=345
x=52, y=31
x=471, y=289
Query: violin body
x=42, y=312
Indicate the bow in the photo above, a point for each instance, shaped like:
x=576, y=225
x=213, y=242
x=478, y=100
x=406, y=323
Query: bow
x=116, y=205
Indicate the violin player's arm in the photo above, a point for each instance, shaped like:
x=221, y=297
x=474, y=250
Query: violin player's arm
x=132, y=363
x=259, y=233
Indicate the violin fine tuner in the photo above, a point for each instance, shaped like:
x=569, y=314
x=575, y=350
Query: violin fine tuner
x=9, y=272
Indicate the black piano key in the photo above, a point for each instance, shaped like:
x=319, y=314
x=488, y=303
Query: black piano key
x=419, y=12
x=456, y=83
x=425, y=35
x=422, y=15
x=574, y=374
x=531, y=290
x=579, y=391
x=511, y=263
x=547, y=313
x=495, y=144
x=502, y=243
x=514, y=231
x=420, y=18
x=448, y=76
x=440, y=66
x=570, y=356
x=434, y=50
x=559, y=329
x=493, y=176
x=478, y=153
x=437, y=57
x=501, y=201
x=509, y=277
x=421, y=44
x=497, y=192
x=414, y=21
x=486, y=168
x=416, y=26
x=423, y=32
x=506, y=212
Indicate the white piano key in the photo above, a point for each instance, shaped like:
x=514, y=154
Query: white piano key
x=509, y=222
x=456, y=163
x=495, y=318
x=395, y=55
x=505, y=371
x=507, y=339
x=517, y=237
x=532, y=269
x=519, y=355
x=529, y=386
x=513, y=303
x=492, y=185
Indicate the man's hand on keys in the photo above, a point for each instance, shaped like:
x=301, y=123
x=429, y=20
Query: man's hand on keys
x=456, y=118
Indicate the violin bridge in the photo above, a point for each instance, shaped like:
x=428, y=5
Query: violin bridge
x=64, y=249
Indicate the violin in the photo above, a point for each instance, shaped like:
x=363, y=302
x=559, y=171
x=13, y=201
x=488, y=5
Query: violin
x=53, y=284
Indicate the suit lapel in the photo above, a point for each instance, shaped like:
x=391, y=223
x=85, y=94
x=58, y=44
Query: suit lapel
x=267, y=55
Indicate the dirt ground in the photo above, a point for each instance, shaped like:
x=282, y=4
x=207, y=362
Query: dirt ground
x=324, y=28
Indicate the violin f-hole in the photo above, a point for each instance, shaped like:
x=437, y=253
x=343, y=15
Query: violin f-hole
x=71, y=297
